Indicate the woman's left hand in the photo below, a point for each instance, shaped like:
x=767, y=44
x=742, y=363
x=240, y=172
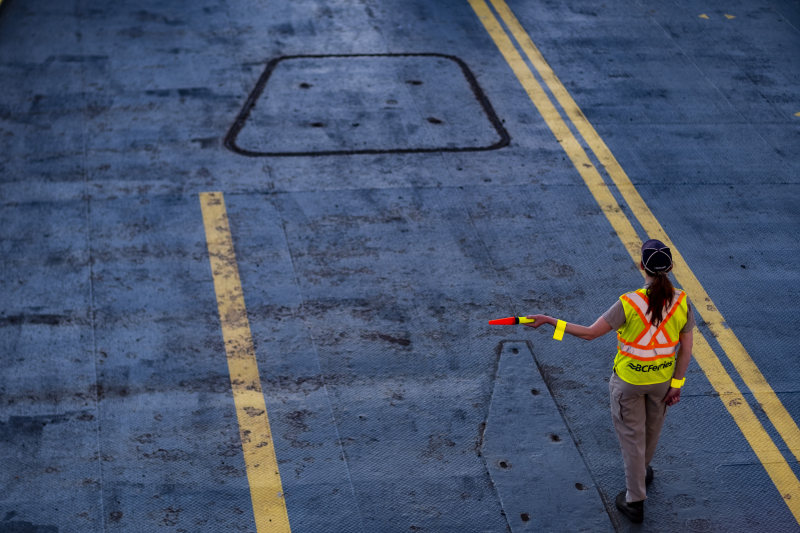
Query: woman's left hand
x=673, y=396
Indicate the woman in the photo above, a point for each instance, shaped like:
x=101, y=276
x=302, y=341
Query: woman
x=654, y=331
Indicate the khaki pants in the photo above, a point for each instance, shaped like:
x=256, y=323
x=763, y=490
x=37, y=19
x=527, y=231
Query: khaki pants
x=638, y=414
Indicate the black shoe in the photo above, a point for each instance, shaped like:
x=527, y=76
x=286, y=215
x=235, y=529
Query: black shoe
x=648, y=477
x=633, y=510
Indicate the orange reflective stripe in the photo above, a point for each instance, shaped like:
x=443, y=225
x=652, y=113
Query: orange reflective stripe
x=636, y=307
x=643, y=294
x=642, y=334
x=653, y=336
x=664, y=331
x=640, y=311
x=639, y=300
x=648, y=346
x=641, y=317
x=639, y=358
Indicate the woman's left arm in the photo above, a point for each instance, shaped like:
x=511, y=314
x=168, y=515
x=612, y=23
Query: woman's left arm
x=598, y=329
x=681, y=364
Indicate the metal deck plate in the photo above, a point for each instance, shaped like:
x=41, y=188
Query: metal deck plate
x=540, y=476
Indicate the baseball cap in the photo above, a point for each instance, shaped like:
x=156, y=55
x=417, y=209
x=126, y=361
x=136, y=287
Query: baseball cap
x=656, y=257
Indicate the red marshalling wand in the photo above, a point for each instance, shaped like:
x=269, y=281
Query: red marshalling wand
x=510, y=321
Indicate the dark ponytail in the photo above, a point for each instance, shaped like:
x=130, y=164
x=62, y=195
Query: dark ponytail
x=660, y=294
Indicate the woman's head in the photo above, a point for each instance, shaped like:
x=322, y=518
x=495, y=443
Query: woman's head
x=656, y=262
x=656, y=257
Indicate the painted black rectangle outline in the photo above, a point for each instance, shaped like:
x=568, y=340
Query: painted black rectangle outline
x=241, y=119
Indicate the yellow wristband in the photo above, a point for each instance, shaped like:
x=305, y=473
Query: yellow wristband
x=677, y=383
x=558, y=334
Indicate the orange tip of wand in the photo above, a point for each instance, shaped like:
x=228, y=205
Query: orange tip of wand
x=510, y=321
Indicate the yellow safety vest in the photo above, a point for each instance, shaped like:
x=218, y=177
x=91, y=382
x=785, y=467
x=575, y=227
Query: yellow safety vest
x=646, y=353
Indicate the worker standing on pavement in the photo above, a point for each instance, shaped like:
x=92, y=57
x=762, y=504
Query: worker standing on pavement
x=654, y=327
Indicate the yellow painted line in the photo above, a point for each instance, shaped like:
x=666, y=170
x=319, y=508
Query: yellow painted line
x=733, y=348
x=773, y=461
x=563, y=135
x=266, y=492
x=768, y=454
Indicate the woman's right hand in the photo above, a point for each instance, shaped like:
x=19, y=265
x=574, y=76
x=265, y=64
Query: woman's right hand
x=539, y=320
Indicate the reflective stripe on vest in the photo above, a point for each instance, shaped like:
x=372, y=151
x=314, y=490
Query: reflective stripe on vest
x=646, y=352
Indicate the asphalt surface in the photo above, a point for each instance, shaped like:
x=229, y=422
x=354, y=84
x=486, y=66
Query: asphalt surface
x=390, y=186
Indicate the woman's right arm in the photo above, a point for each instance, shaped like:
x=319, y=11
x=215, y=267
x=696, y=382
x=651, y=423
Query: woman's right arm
x=598, y=329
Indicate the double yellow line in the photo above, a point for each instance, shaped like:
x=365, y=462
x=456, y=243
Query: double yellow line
x=765, y=449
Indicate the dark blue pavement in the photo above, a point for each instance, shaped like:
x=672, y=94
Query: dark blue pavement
x=369, y=274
